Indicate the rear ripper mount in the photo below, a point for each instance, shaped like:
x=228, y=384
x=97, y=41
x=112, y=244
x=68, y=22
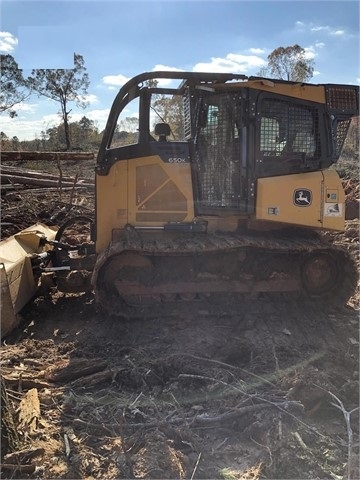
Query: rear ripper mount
x=136, y=274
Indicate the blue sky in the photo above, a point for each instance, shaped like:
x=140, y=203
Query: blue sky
x=119, y=39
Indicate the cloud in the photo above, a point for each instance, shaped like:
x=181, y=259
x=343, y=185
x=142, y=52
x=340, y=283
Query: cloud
x=257, y=51
x=165, y=82
x=322, y=29
x=99, y=116
x=327, y=29
x=26, y=128
x=319, y=29
x=89, y=98
x=165, y=68
x=25, y=107
x=310, y=52
x=7, y=42
x=115, y=80
x=338, y=32
x=234, y=63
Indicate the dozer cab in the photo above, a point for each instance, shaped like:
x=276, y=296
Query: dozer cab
x=215, y=188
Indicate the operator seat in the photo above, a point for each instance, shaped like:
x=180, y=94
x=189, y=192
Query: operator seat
x=163, y=131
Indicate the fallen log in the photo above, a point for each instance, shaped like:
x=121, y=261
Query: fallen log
x=22, y=172
x=74, y=368
x=233, y=415
x=15, y=189
x=10, y=187
x=41, y=182
x=97, y=378
x=24, y=379
x=27, y=469
x=23, y=456
x=44, y=156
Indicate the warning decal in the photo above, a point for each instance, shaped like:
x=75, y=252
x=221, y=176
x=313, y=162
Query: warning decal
x=333, y=209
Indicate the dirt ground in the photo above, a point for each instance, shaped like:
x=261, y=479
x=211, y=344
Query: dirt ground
x=271, y=392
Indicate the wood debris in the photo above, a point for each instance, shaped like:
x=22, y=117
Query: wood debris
x=45, y=156
x=352, y=201
x=29, y=411
x=69, y=370
x=15, y=177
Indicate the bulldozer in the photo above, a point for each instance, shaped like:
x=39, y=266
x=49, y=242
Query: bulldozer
x=226, y=195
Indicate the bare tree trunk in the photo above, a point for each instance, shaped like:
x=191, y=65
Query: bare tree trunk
x=67, y=130
x=65, y=115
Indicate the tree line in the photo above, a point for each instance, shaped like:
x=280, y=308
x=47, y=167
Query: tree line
x=84, y=134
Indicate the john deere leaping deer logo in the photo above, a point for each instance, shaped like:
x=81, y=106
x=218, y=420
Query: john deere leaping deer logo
x=302, y=197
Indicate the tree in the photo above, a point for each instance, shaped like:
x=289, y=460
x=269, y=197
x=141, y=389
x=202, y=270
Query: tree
x=13, y=86
x=5, y=143
x=289, y=63
x=85, y=134
x=63, y=86
x=15, y=143
x=169, y=108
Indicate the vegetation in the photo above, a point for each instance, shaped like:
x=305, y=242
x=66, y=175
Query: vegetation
x=84, y=134
x=63, y=86
x=289, y=63
x=169, y=109
x=348, y=164
x=14, y=88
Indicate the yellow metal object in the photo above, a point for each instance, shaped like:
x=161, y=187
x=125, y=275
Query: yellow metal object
x=163, y=192
x=314, y=199
x=160, y=192
x=333, y=207
x=111, y=203
x=18, y=284
x=8, y=318
x=313, y=93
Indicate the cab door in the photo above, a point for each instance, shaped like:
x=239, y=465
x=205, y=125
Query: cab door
x=220, y=155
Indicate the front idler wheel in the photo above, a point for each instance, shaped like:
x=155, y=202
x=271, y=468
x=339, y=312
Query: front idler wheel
x=319, y=274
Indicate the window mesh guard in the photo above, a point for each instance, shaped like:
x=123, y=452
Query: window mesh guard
x=288, y=130
x=217, y=155
x=339, y=134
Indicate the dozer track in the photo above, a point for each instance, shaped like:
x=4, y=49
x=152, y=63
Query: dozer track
x=137, y=275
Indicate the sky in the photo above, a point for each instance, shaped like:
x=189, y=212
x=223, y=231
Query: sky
x=120, y=39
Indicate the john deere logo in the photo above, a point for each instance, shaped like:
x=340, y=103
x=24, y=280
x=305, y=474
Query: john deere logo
x=302, y=197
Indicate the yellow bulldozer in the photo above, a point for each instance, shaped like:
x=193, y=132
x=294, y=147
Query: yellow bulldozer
x=226, y=199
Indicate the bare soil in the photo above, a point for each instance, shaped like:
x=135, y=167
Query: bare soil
x=269, y=392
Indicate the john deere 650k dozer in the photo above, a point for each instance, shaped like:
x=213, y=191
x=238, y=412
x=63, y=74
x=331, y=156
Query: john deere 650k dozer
x=223, y=197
